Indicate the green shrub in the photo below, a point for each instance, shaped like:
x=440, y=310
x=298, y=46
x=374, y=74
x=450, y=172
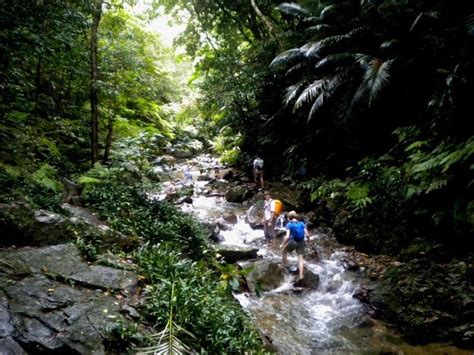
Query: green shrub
x=130, y=211
x=200, y=305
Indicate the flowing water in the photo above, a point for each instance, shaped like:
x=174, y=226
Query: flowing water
x=327, y=320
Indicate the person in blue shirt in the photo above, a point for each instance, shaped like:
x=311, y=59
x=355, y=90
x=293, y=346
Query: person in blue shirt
x=295, y=240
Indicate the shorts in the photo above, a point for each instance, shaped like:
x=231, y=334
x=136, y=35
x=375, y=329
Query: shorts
x=258, y=172
x=296, y=245
x=269, y=230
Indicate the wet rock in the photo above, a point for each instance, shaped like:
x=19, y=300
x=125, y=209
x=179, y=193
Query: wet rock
x=349, y=265
x=236, y=194
x=312, y=252
x=215, y=235
x=223, y=225
x=227, y=174
x=230, y=218
x=254, y=215
x=106, y=278
x=265, y=275
x=8, y=346
x=21, y=225
x=233, y=253
x=425, y=300
x=185, y=199
x=310, y=280
x=72, y=192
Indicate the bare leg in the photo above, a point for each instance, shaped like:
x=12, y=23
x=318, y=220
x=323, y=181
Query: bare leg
x=301, y=265
x=284, y=255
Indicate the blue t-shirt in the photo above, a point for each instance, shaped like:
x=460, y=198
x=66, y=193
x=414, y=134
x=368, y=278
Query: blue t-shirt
x=296, y=229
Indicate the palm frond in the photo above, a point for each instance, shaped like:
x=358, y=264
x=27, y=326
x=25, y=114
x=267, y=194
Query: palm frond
x=360, y=94
x=390, y=45
x=317, y=105
x=296, y=68
x=380, y=77
x=376, y=77
x=332, y=61
x=292, y=91
x=327, y=92
x=470, y=25
x=321, y=28
x=293, y=9
x=286, y=56
x=368, y=5
x=167, y=341
x=327, y=11
x=314, y=49
x=422, y=17
x=310, y=93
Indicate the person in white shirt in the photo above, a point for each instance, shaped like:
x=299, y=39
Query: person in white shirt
x=258, y=171
x=269, y=217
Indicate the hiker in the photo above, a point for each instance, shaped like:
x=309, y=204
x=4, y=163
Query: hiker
x=258, y=171
x=188, y=176
x=269, y=217
x=170, y=188
x=294, y=240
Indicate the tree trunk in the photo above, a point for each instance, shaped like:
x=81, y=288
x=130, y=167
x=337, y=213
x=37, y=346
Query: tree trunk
x=266, y=21
x=94, y=94
x=108, y=139
x=38, y=86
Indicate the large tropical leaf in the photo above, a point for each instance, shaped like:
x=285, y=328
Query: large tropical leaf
x=331, y=43
x=286, y=57
x=292, y=91
x=293, y=9
x=376, y=78
x=310, y=93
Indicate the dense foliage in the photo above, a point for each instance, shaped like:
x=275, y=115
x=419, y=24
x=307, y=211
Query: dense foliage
x=172, y=253
x=366, y=102
x=373, y=96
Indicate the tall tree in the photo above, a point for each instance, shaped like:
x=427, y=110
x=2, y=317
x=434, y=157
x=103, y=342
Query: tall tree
x=94, y=95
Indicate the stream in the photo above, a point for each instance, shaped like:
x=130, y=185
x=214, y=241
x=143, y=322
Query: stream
x=328, y=320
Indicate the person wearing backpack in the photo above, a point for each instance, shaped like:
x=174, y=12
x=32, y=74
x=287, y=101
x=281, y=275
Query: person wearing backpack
x=269, y=218
x=294, y=240
x=258, y=171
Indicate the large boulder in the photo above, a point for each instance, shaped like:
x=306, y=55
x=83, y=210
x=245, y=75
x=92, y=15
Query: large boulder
x=233, y=253
x=310, y=280
x=254, y=215
x=21, y=225
x=53, y=302
x=264, y=275
x=427, y=301
x=238, y=194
